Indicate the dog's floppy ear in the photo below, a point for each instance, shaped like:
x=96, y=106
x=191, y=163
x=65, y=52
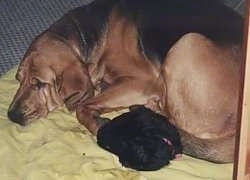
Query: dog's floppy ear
x=74, y=85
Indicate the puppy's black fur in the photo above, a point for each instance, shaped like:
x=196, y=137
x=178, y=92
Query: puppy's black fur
x=143, y=139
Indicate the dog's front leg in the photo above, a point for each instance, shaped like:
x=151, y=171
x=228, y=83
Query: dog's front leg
x=122, y=94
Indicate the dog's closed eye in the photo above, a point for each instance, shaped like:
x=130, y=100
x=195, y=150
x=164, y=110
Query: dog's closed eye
x=37, y=83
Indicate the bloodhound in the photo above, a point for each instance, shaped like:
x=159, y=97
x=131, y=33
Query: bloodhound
x=179, y=58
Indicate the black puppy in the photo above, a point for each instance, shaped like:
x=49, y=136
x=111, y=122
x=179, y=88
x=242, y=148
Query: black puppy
x=142, y=139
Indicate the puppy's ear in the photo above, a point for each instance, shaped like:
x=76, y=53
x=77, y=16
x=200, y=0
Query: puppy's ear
x=74, y=86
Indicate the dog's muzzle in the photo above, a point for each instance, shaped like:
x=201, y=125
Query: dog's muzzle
x=16, y=116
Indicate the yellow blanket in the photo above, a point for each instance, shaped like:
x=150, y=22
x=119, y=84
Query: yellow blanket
x=58, y=148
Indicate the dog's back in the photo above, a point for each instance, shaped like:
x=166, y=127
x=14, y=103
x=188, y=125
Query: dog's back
x=159, y=23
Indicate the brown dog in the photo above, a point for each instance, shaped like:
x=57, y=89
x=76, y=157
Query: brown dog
x=173, y=56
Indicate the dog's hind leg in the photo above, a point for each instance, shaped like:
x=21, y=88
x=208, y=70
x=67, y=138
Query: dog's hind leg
x=203, y=81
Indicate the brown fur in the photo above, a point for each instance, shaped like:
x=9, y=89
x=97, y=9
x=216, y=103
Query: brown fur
x=197, y=86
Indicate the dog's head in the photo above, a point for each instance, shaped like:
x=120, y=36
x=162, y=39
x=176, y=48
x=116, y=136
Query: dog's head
x=49, y=75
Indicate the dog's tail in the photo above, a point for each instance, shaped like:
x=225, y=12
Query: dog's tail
x=220, y=150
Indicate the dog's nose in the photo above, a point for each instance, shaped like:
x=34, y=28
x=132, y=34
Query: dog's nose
x=16, y=116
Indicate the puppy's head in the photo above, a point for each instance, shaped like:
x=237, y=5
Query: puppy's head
x=143, y=139
x=49, y=75
x=146, y=154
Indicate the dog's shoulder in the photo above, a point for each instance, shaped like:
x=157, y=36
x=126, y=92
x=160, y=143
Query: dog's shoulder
x=84, y=25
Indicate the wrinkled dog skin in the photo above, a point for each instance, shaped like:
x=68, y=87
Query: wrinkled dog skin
x=179, y=58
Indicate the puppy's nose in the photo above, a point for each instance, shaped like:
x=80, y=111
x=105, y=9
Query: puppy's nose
x=16, y=116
